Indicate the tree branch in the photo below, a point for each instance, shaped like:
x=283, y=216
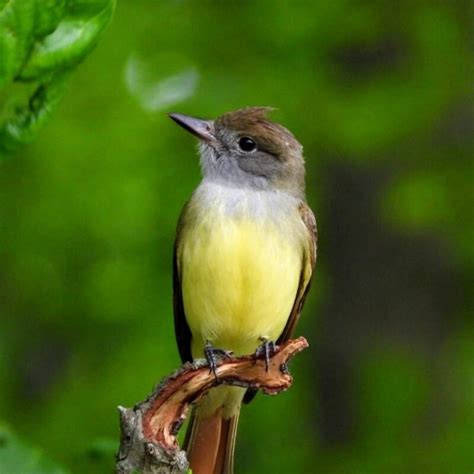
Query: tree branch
x=148, y=431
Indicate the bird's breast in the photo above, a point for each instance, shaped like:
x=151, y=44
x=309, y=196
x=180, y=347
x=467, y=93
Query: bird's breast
x=240, y=274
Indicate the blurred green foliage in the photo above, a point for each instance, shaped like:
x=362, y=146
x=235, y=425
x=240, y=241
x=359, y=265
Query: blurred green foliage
x=15, y=457
x=41, y=41
x=379, y=94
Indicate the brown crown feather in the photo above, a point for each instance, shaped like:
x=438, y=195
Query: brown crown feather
x=253, y=121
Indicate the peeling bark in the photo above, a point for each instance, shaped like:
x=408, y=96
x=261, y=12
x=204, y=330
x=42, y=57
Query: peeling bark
x=148, y=431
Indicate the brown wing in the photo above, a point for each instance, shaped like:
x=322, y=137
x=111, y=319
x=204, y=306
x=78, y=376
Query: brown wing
x=309, y=260
x=181, y=328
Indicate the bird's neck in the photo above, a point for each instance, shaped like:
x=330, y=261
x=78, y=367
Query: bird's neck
x=235, y=201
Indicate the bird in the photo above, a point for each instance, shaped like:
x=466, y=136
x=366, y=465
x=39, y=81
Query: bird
x=244, y=255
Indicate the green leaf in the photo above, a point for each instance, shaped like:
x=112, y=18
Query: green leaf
x=41, y=41
x=74, y=38
x=25, y=116
x=16, y=36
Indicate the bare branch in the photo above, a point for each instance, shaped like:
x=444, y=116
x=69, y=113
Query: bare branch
x=148, y=441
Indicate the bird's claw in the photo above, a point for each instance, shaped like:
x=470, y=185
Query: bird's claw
x=266, y=349
x=213, y=355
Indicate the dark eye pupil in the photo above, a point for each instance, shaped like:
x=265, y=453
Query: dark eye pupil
x=247, y=144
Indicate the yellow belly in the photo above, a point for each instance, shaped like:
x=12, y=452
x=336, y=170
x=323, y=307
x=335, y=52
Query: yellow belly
x=239, y=282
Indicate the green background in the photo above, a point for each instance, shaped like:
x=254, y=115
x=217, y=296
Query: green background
x=379, y=93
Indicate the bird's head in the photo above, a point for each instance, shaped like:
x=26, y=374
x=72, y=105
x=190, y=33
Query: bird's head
x=243, y=148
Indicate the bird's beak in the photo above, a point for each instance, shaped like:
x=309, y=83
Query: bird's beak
x=201, y=128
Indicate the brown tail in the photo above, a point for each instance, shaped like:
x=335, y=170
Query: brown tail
x=210, y=443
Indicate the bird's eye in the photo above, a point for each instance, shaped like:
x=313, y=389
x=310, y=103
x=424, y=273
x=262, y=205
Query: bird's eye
x=247, y=144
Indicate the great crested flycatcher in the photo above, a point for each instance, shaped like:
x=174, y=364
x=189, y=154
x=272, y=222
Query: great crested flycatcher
x=244, y=255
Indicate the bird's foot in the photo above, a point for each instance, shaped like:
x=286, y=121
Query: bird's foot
x=213, y=355
x=266, y=349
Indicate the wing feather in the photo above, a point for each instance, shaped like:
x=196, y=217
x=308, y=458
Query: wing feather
x=181, y=328
x=309, y=261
